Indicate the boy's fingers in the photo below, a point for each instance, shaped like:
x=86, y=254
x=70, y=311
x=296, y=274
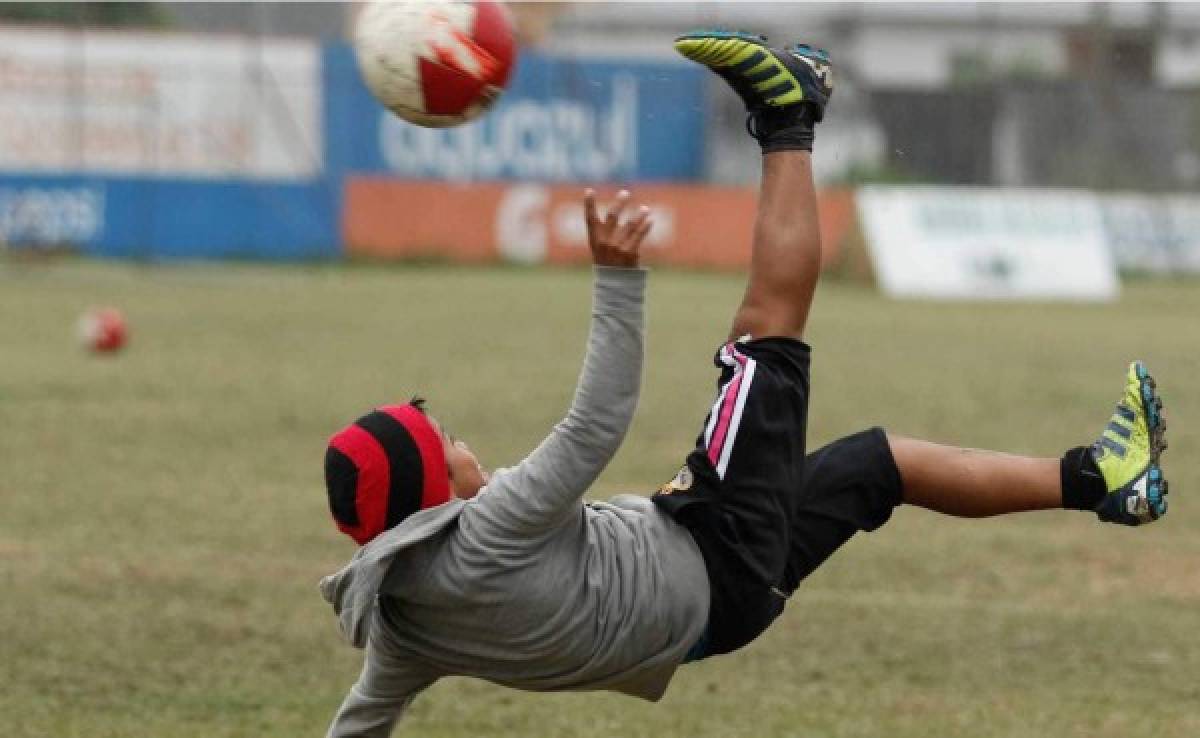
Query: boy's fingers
x=591, y=217
x=642, y=229
x=629, y=229
x=589, y=208
x=614, y=214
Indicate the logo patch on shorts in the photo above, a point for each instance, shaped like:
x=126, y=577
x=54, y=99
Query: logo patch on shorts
x=681, y=483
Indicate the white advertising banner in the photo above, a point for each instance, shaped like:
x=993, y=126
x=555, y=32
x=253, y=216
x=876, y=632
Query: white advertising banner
x=159, y=104
x=1154, y=234
x=976, y=243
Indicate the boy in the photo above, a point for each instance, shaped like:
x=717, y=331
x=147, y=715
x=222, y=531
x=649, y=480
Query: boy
x=513, y=579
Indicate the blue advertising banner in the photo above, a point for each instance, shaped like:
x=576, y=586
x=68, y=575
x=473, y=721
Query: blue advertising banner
x=561, y=119
x=170, y=219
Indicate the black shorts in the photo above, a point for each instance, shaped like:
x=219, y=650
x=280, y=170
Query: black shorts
x=762, y=513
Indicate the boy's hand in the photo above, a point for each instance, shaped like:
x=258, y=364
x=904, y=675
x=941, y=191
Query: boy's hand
x=614, y=243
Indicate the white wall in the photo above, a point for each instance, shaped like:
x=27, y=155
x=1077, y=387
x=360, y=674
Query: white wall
x=159, y=103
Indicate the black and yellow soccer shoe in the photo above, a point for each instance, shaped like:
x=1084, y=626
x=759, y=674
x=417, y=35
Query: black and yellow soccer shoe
x=765, y=78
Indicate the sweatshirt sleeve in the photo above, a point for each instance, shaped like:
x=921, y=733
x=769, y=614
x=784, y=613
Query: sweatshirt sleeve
x=547, y=486
x=384, y=690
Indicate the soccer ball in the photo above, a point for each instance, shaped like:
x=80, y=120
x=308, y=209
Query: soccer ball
x=102, y=331
x=435, y=63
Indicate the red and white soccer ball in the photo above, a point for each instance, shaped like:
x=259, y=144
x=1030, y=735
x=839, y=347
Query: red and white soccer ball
x=103, y=330
x=435, y=63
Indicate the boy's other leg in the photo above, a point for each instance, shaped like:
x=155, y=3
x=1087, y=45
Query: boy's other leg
x=1119, y=477
x=971, y=483
x=853, y=483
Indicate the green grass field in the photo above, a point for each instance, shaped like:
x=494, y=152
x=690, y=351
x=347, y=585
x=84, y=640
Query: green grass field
x=163, y=522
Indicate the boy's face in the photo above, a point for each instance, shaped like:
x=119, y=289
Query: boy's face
x=467, y=476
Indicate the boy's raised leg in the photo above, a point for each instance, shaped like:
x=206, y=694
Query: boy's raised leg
x=785, y=91
x=786, y=256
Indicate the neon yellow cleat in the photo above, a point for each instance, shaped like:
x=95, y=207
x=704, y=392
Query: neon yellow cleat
x=1127, y=454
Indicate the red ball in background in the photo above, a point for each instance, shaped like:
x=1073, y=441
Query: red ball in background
x=103, y=330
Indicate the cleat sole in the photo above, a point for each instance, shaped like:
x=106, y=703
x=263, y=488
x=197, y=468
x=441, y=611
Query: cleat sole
x=1139, y=419
x=1155, y=420
x=1156, y=488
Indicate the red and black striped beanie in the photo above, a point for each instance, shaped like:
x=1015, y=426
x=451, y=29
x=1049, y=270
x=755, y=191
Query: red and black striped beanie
x=384, y=467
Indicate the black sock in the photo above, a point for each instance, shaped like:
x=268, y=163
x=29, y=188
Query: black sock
x=784, y=129
x=1083, y=485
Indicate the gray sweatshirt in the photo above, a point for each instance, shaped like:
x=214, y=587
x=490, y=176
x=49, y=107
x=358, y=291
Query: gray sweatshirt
x=525, y=585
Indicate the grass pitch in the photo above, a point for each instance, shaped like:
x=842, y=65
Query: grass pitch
x=163, y=522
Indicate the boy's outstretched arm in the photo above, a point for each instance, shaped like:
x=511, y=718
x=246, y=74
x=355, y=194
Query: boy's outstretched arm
x=545, y=488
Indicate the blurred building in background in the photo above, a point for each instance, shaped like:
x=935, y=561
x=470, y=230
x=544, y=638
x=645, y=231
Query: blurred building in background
x=225, y=129
x=1092, y=94
x=1097, y=94
x=1065, y=94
